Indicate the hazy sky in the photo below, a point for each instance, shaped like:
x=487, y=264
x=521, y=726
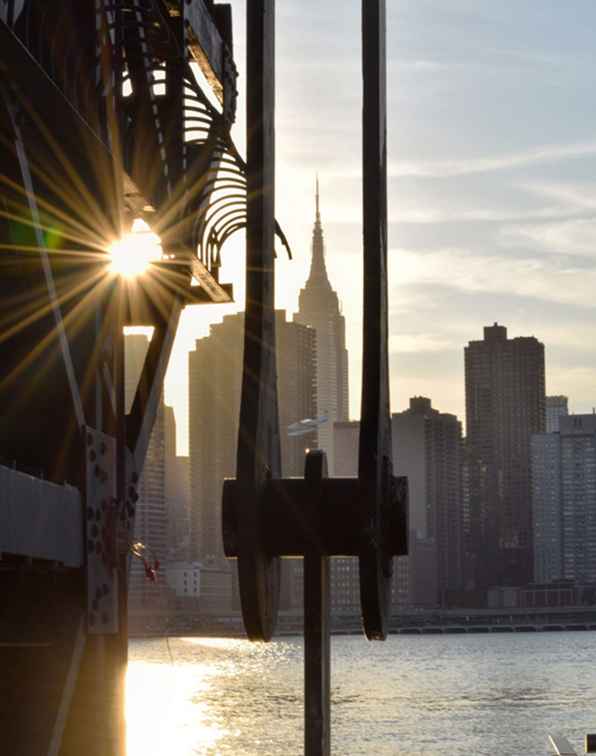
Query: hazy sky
x=492, y=183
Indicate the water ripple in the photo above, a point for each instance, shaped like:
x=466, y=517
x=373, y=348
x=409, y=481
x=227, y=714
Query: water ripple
x=412, y=695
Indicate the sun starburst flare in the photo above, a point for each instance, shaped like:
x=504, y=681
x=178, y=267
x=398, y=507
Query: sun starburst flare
x=133, y=254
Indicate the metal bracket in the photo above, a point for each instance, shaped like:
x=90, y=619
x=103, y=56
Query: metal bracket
x=101, y=529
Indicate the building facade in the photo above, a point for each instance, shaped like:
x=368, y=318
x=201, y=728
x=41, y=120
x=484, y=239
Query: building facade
x=427, y=448
x=564, y=500
x=344, y=571
x=148, y=600
x=215, y=376
x=177, y=492
x=319, y=308
x=545, y=456
x=556, y=407
x=505, y=405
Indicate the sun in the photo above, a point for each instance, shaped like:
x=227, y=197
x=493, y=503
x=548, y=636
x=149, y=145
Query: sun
x=132, y=255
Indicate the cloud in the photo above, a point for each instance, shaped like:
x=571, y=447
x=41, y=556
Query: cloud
x=576, y=237
x=489, y=164
x=546, y=279
x=580, y=195
x=480, y=214
x=416, y=342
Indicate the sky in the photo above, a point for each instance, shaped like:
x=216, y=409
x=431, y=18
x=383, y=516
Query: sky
x=491, y=178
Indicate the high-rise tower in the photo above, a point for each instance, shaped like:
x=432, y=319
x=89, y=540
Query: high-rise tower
x=505, y=402
x=319, y=307
x=564, y=500
x=427, y=448
x=147, y=600
x=215, y=378
x=556, y=407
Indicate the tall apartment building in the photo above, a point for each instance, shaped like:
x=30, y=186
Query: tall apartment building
x=319, y=307
x=215, y=375
x=146, y=598
x=556, y=407
x=177, y=492
x=545, y=456
x=505, y=405
x=427, y=448
x=344, y=571
x=564, y=501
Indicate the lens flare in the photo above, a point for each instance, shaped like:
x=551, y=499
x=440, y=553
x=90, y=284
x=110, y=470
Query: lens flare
x=132, y=255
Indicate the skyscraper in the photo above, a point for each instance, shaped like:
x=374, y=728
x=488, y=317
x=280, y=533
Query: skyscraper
x=319, y=308
x=545, y=458
x=146, y=598
x=505, y=404
x=427, y=448
x=564, y=498
x=215, y=375
x=556, y=406
x=177, y=492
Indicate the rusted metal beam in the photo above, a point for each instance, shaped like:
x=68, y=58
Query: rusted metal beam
x=211, y=289
x=210, y=49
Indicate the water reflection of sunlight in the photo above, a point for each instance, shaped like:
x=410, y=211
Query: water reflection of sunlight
x=226, y=644
x=166, y=710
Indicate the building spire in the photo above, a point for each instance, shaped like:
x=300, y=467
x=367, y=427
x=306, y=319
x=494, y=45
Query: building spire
x=318, y=271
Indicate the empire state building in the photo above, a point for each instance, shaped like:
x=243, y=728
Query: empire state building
x=319, y=308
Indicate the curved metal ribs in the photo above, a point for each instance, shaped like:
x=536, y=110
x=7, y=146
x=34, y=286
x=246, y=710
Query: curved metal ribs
x=218, y=195
x=219, y=207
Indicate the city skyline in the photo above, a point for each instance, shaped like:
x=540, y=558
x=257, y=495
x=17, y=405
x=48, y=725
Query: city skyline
x=491, y=215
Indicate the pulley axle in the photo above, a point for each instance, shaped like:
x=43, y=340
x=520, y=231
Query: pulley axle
x=297, y=516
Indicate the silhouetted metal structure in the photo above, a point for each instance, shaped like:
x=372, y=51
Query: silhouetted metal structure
x=102, y=121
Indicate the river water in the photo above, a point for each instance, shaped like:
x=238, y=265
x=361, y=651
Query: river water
x=451, y=695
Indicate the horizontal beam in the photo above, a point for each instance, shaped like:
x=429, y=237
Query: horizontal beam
x=294, y=521
x=39, y=519
x=212, y=290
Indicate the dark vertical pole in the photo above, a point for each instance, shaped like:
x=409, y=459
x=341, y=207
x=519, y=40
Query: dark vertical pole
x=317, y=642
x=375, y=458
x=317, y=709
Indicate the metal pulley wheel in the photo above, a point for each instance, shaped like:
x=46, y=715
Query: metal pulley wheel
x=265, y=517
x=375, y=471
x=259, y=454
